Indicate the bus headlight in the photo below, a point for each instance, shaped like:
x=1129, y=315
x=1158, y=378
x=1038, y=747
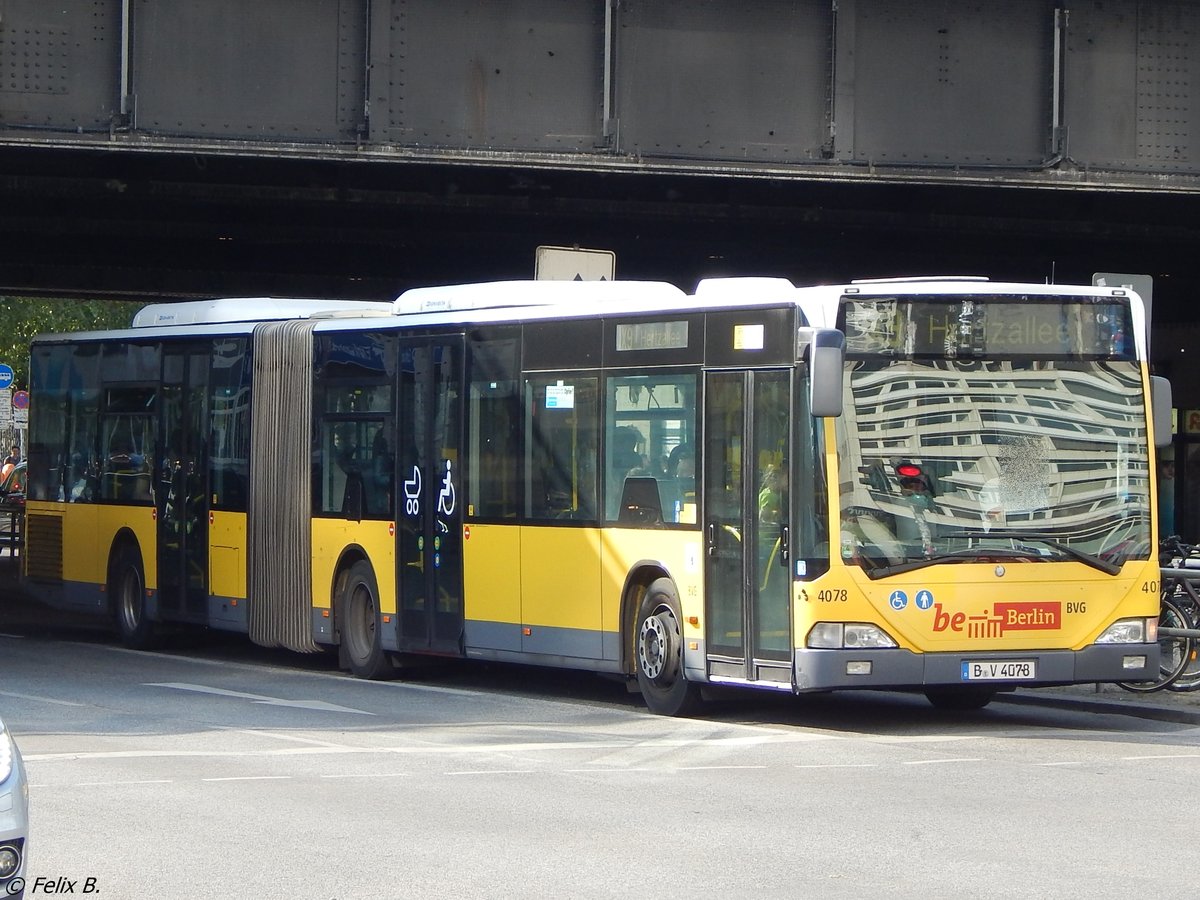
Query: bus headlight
x=10, y=861
x=1130, y=631
x=849, y=635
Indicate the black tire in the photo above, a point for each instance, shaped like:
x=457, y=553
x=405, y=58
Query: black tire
x=358, y=622
x=127, y=596
x=658, y=649
x=1189, y=678
x=1175, y=652
x=960, y=699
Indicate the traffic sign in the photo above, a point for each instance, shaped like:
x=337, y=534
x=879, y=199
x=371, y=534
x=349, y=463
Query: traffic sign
x=20, y=400
x=574, y=264
x=6, y=375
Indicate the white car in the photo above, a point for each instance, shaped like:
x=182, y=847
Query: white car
x=14, y=817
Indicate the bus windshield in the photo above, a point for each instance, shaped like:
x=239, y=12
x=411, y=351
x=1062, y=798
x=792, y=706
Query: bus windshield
x=977, y=447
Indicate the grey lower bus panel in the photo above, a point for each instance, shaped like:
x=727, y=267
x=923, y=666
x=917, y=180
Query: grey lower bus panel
x=819, y=670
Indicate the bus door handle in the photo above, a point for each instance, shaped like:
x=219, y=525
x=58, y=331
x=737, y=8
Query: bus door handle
x=711, y=539
x=785, y=541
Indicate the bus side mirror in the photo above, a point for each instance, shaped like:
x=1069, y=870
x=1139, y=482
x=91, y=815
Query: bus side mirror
x=1160, y=405
x=826, y=355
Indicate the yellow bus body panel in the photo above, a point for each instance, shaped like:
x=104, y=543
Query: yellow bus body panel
x=982, y=606
x=572, y=577
x=490, y=593
x=330, y=540
x=560, y=577
x=89, y=530
x=679, y=552
x=227, y=554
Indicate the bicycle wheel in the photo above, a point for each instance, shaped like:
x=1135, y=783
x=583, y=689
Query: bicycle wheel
x=1176, y=652
x=1189, y=678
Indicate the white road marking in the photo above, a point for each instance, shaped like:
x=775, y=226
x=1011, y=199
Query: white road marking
x=251, y=778
x=706, y=768
x=613, y=771
x=320, y=705
x=296, y=738
x=837, y=766
x=121, y=783
x=936, y=762
x=427, y=748
x=919, y=738
x=40, y=699
x=1162, y=756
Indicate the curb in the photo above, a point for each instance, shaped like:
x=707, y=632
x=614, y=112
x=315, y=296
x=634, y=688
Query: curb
x=1160, y=712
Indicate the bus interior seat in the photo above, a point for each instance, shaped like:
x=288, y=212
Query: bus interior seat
x=640, y=502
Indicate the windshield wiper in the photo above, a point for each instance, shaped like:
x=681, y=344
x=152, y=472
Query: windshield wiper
x=959, y=556
x=1082, y=556
x=1108, y=568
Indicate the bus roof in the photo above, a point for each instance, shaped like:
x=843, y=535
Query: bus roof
x=508, y=294
x=530, y=300
x=250, y=309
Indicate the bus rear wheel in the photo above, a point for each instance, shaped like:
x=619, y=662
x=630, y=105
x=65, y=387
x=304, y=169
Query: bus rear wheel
x=659, y=647
x=127, y=592
x=358, y=621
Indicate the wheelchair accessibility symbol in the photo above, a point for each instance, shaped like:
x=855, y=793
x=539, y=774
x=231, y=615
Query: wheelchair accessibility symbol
x=898, y=600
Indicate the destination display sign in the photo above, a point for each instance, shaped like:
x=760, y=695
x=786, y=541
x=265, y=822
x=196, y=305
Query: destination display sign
x=987, y=327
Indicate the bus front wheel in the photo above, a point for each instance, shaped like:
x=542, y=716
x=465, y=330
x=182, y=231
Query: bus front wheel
x=358, y=620
x=960, y=699
x=659, y=646
x=127, y=590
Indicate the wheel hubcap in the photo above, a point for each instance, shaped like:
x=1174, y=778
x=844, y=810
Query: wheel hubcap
x=654, y=647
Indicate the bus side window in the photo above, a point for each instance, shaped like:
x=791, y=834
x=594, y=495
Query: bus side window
x=562, y=454
x=494, y=483
x=126, y=460
x=650, y=428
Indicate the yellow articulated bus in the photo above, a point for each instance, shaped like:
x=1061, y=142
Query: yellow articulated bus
x=939, y=485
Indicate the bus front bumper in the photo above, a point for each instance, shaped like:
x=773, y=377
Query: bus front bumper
x=823, y=670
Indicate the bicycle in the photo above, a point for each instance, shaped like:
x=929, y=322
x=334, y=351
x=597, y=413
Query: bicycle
x=1177, y=652
x=1186, y=596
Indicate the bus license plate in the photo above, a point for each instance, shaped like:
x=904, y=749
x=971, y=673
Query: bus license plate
x=999, y=670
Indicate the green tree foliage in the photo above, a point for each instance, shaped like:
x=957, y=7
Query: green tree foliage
x=26, y=317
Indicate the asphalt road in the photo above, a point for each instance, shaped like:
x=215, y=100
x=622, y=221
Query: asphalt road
x=213, y=769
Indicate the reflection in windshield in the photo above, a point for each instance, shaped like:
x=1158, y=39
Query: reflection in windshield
x=940, y=457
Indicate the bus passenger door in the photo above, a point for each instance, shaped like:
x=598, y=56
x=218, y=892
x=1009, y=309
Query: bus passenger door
x=181, y=484
x=747, y=526
x=430, y=518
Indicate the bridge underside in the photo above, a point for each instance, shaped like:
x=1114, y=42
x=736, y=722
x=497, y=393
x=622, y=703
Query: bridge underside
x=94, y=222
x=353, y=148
